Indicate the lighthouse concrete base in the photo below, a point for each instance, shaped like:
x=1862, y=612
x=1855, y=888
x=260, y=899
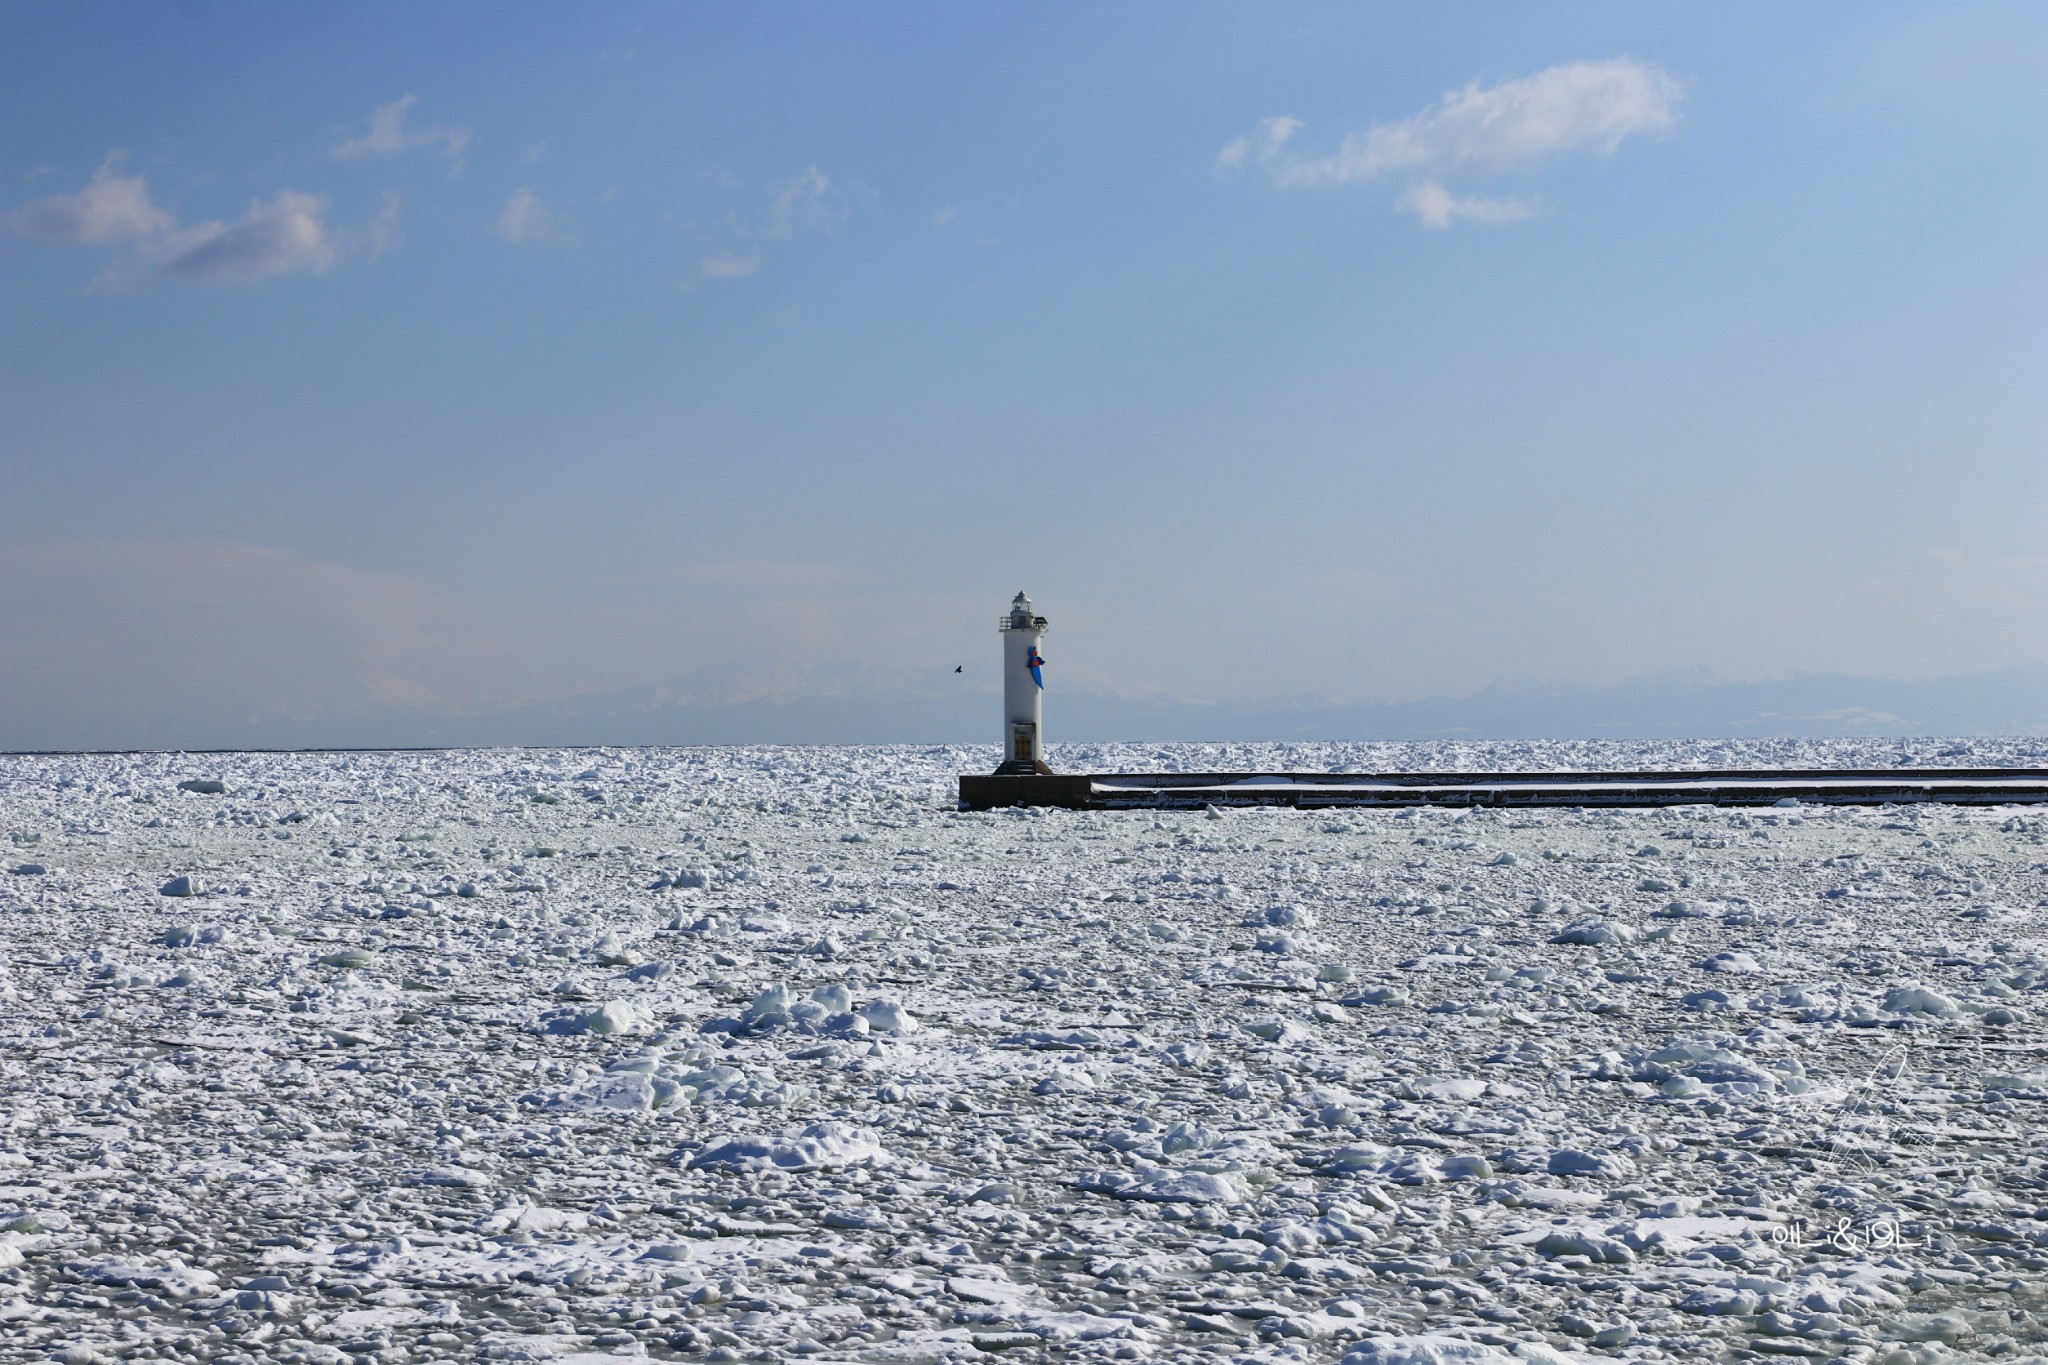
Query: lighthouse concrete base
x=1025, y=789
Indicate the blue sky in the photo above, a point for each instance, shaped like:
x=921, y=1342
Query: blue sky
x=387, y=362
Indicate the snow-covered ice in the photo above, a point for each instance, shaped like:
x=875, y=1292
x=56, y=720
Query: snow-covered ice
x=767, y=1054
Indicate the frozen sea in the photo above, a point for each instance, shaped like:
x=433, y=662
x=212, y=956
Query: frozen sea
x=774, y=1054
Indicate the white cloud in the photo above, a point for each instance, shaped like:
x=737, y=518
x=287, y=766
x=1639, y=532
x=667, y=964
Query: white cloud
x=1437, y=207
x=286, y=235
x=1478, y=130
x=388, y=135
x=111, y=208
x=803, y=200
x=730, y=267
x=805, y=203
x=1264, y=142
x=283, y=235
x=524, y=218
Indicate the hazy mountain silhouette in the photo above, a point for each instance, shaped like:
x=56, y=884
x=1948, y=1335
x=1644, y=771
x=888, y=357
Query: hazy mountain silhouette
x=2004, y=701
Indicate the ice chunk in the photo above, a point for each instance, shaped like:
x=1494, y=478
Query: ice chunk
x=769, y=1009
x=1592, y=1245
x=1721, y=1300
x=1285, y=1032
x=1451, y=1089
x=1602, y=1165
x=1946, y=1328
x=1281, y=917
x=1414, y=1168
x=1919, y=1000
x=173, y=1279
x=1191, y=1187
x=611, y=951
x=888, y=1016
x=1680, y=910
x=1080, y=1039
x=1065, y=1080
x=181, y=885
x=2036, y=1079
x=1594, y=933
x=628, y=1092
x=1378, y=995
x=1357, y=1157
x=612, y=1017
x=815, y=1146
x=1788, y=996
x=1187, y=1137
x=1438, y=1350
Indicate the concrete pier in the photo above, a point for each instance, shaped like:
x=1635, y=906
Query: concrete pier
x=1725, y=787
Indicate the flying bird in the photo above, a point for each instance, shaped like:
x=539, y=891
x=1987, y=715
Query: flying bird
x=957, y=667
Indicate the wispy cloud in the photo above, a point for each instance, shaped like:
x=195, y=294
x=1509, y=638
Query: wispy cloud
x=286, y=235
x=389, y=135
x=1438, y=208
x=805, y=200
x=804, y=203
x=525, y=217
x=1475, y=131
x=724, y=267
x=111, y=208
x=282, y=235
x=1262, y=144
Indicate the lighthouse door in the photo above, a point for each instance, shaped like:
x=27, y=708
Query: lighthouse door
x=1024, y=741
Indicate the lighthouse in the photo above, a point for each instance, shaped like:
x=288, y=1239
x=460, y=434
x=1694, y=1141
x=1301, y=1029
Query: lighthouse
x=1023, y=691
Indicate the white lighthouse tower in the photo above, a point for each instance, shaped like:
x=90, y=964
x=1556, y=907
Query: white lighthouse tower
x=1023, y=691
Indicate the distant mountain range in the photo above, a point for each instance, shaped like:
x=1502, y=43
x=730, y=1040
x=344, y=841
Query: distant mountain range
x=2007, y=701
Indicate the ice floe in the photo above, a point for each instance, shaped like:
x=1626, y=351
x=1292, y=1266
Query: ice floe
x=777, y=1054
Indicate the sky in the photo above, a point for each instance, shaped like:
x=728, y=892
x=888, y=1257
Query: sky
x=368, y=367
